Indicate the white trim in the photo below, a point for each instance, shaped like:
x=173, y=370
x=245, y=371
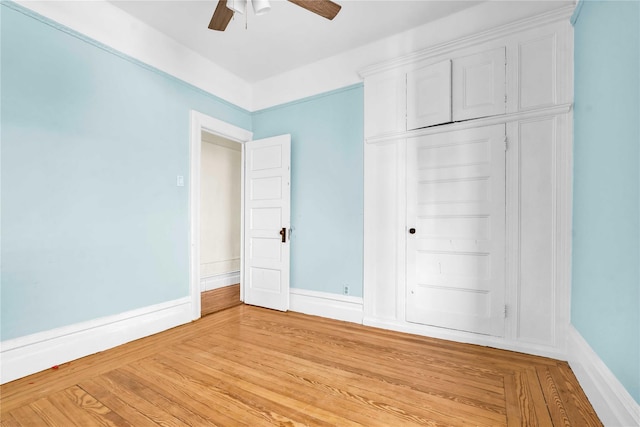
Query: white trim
x=324, y=304
x=468, y=124
x=201, y=122
x=464, y=337
x=33, y=353
x=219, y=281
x=447, y=48
x=576, y=12
x=611, y=401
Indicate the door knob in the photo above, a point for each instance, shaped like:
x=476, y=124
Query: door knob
x=283, y=233
x=412, y=231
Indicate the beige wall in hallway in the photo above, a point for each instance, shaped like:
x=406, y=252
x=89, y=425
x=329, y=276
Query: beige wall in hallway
x=219, y=206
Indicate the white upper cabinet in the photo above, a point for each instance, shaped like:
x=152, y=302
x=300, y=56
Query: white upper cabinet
x=519, y=71
x=479, y=85
x=429, y=95
x=463, y=88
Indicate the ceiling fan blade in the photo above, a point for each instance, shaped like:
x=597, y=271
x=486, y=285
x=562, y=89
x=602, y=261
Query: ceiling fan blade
x=324, y=8
x=221, y=16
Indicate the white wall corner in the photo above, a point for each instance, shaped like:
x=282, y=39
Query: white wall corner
x=105, y=23
x=611, y=401
x=332, y=306
x=27, y=355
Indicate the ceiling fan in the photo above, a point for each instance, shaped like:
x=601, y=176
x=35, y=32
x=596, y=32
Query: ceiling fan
x=224, y=13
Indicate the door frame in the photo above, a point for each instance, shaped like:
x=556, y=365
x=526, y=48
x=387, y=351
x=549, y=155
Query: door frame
x=201, y=122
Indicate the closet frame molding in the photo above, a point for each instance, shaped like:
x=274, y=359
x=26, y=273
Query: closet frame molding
x=385, y=196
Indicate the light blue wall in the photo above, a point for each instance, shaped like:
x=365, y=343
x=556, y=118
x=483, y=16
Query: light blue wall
x=605, y=302
x=93, y=223
x=327, y=186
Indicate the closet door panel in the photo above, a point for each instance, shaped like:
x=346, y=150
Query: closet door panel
x=537, y=207
x=537, y=72
x=455, y=255
x=429, y=95
x=479, y=85
x=381, y=229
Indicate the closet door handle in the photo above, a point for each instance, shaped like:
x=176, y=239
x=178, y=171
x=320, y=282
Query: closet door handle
x=412, y=231
x=283, y=233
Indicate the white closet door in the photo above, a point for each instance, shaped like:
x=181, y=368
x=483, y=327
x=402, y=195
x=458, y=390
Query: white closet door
x=267, y=222
x=456, y=230
x=429, y=95
x=479, y=85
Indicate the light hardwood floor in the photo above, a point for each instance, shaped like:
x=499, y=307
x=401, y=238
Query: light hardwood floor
x=247, y=366
x=219, y=299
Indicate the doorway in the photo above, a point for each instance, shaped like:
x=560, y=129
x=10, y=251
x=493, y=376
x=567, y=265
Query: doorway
x=265, y=183
x=220, y=225
x=226, y=134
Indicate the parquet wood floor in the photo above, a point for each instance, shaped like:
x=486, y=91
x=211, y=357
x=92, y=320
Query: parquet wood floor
x=247, y=366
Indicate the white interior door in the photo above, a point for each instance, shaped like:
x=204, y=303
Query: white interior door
x=267, y=222
x=456, y=230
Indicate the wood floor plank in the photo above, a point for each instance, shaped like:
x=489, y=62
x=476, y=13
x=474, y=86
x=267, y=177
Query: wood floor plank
x=294, y=385
x=361, y=364
x=491, y=392
x=107, y=396
x=27, y=417
x=542, y=416
x=219, y=299
x=241, y=408
x=575, y=401
x=19, y=392
x=90, y=404
x=140, y=390
x=66, y=402
x=260, y=397
x=124, y=387
x=50, y=413
x=389, y=389
x=448, y=349
x=555, y=405
x=208, y=405
x=9, y=421
x=247, y=366
x=476, y=366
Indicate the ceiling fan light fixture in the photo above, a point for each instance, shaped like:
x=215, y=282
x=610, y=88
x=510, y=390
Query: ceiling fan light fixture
x=261, y=7
x=239, y=6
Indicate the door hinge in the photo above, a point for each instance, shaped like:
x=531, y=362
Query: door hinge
x=506, y=143
x=505, y=311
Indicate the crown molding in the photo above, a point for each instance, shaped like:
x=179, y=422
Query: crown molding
x=560, y=14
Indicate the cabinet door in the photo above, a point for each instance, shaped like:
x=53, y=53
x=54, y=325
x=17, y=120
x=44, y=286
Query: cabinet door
x=429, y=96
x=456, y=230
x=479, y=85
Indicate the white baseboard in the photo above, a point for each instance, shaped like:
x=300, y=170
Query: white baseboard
x=27, y=355
x=611, y=401
x=219, y=281
x=332, y=306
x=465, y=337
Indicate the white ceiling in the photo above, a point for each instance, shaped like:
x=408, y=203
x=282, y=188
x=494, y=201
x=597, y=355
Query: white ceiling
x=288, y=36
